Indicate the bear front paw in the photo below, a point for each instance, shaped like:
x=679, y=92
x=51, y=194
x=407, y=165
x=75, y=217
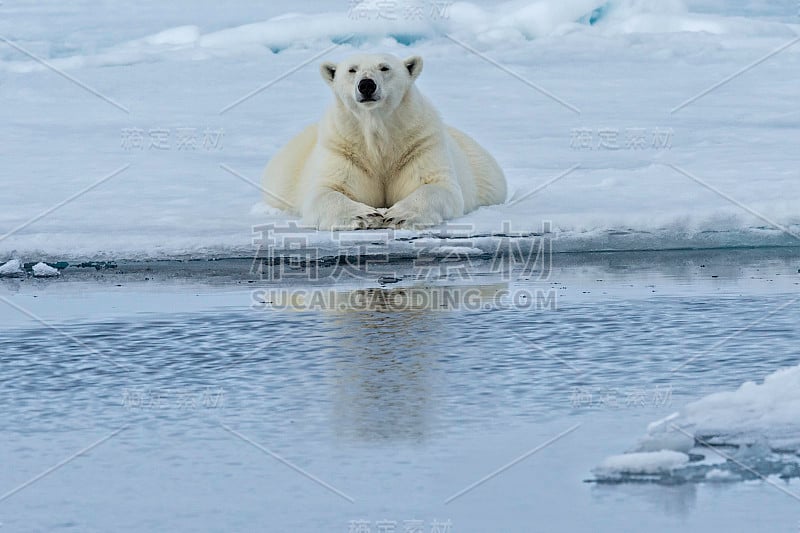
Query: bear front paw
x=396, y=217
x=371, y=220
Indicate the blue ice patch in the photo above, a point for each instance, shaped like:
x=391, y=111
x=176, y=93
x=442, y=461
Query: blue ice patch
x=595, y=15
x=406, y=39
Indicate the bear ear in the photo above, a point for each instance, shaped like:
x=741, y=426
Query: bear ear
x=328, y=71
x=414, y=66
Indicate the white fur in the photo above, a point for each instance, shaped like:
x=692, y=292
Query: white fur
x=390, y=162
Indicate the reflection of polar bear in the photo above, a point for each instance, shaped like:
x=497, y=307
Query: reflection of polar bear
x=381, y=155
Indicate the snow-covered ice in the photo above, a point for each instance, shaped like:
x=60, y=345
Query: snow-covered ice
x=453, y=251
x=766, y=410
x=12, y=268
x=43, y=270
x=641, y=463
x=751, y=431
x=195, y=99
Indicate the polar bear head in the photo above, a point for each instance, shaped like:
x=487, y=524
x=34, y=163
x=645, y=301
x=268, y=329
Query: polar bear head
x=371, y=82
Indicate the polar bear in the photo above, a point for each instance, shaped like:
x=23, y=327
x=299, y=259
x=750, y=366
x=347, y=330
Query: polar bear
x=381, y=155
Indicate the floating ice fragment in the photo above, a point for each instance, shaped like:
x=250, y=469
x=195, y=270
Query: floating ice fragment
x=640, y=463
x=43, y=270
x=11, y=269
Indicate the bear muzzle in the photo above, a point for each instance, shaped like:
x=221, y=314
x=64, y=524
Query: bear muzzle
x=367, y=91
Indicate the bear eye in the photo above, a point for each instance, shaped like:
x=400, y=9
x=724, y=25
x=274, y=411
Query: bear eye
x=352, y=70
x=384, y=68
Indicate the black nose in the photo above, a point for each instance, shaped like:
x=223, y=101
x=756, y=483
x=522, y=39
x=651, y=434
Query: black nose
x=367, y=87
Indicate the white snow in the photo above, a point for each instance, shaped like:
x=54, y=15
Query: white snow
x=11, y=268
x=43, y=270
x=720, y=171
